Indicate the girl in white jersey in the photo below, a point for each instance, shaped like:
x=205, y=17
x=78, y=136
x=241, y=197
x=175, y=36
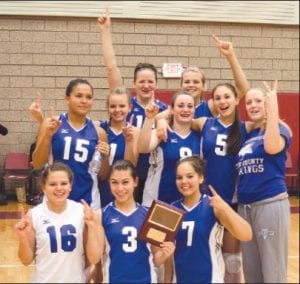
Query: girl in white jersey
x=58, y=232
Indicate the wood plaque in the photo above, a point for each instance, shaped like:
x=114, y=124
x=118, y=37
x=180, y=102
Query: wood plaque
x=161, y=224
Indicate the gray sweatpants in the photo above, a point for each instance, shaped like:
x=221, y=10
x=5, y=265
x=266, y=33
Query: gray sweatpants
x=265, y=256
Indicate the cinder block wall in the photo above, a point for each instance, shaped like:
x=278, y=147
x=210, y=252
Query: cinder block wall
x=44, y=53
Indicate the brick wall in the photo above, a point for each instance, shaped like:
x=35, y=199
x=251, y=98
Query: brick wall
x=45, y=53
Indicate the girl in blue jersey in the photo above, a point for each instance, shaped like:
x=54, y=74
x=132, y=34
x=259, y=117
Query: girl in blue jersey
x=121, y=135
x=182, y=142
x=58, y=232
x=198, y=252
x=262, y=192
x=221, y=139
x=129, y=260
x=193, y=81
x=145, y=84
x=72, y=138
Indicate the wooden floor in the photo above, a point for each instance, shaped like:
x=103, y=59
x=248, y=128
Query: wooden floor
x=12, y=271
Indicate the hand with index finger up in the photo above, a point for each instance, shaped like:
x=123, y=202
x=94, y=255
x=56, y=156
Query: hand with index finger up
x=271, y=92
x=23, y=227
x=128, y=130
x=151, y=110
x=52, y=123
x=216, y=201
x=225, y=47
x=89, y=215
x=104, y=21
x=36, y=109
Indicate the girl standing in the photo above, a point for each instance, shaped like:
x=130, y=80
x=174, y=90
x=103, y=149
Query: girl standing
x=72, y=138
x=262, y=192
x=181, y=142
x=58, y=232
x=145, y=85
x=121, y=135
x=198, y=253
x=221, y=139
x=129, y=260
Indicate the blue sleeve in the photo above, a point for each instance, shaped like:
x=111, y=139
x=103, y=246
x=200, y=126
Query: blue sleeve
x=285, y=133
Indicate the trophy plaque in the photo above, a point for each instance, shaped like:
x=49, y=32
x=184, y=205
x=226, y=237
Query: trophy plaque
x=161, y=224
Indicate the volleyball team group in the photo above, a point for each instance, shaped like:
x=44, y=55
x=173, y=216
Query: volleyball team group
x=227, y=175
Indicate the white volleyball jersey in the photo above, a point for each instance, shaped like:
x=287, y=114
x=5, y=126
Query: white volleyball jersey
x=59, y=244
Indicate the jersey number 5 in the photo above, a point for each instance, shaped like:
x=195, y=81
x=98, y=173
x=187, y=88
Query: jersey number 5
x=220, y=149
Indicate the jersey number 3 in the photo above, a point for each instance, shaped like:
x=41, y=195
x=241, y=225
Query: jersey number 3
x=131, y=234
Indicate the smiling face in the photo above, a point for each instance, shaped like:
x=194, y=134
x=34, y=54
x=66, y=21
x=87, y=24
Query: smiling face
x=145, y=84
x=192, y=82
x=57, y=187
x=225, y=102
x=80, y=99
x=118, y=107
x=188, y=181
x=183, y=108
x=255, y=105
x=122, y=185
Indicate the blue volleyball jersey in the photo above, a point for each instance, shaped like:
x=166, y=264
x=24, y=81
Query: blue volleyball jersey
x=220, y=167
x=161, y=180
x=75, y=147
x=117, y=149
x=129, y=260
x=198, y=253
x=139, y=111
x=261, y=175
x=139, y=116
x=202, y=110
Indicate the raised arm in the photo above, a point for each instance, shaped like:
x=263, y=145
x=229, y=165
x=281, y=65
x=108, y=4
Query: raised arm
x=113, y=73
x=36, y=109
x=233, y=222
x=241, y=82
x=148, y=140
x=48, y=128
x=273, y=141
x=26, y=236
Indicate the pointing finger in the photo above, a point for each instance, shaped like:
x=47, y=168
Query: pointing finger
x=215, y=38
x=22, y=213
x=131, y=119
x=84, y=203
x=213, y=191
x=267, y=86
x=107, y=13
x=38, y=99
x=52, y=113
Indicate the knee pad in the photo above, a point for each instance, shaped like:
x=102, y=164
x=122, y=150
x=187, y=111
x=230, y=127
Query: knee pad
x=233, y=262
